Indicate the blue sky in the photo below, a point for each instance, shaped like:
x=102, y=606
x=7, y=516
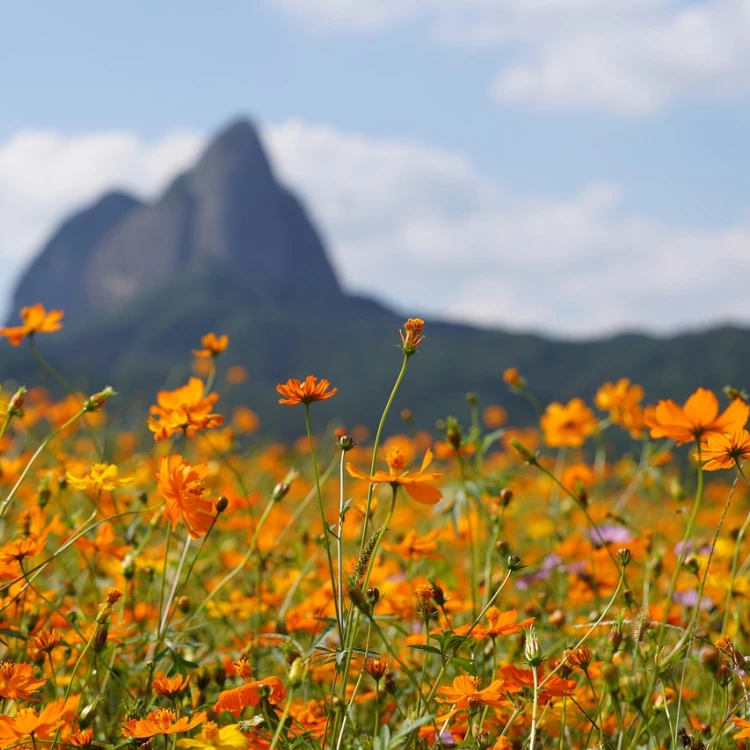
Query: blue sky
x=574, y=166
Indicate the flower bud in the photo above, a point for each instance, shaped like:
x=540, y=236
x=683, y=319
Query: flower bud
x=346, y=442
x=506, y=495
x=297, y=673
x=15, y=405
x=407, y=416
x=624, y=556
x=525, y=453
x=95, y=402
x=221, y=504
x=532, y=650
x=183, y=604
x=710, y=658
x=373, y=594
x=411, y=337
x=100, y=637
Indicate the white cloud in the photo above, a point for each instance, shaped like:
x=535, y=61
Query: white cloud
x=630, y=57
x=423, y=228
x=44, y=175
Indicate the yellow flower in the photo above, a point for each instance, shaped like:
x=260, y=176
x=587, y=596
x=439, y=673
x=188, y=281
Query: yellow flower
x=225, y=738
x=99, y=477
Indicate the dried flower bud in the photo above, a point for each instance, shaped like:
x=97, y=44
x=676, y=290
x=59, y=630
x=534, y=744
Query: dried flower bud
x=506, y=495
x=221, y=504
x=438, y=594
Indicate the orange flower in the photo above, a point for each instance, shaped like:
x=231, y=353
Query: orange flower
x=622, y=401
x=295, y=392
x=411, y=340
x=35, y=320
x=413, y=547
x=743, y=726
x=213, y=346
x=724, y=451
x=494, y=416
x=44, y=640
x=81, y=738
x=513, y=378
x=20, y=549
x=567, y=425
x=17, y=682
x=181, y=485
x=465, y=695
x=501, y=623
x=168, y=687
x=162, y=721
x=183, y=410
x=698, y=417
x=28, y=723
x=236, y=699
x=555, y=686
x=416, y=485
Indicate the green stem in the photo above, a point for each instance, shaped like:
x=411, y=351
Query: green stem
x=326, y=532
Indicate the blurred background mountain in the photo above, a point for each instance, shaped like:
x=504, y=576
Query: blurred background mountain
x=227, y=248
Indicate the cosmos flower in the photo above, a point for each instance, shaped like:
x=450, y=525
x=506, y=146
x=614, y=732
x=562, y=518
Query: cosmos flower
x=296, y=392
x=417, y=485
x=17, y=682
x=35, y=320
x=500, y=624
x=181, y=485
x=162, y=721
x=28, y=723
x=99, y=477
x=184, y=410
x=228, y=737
x=724, y=451
x=213, y=346
x=567, y=425
x=698, y=417
x=250, y=694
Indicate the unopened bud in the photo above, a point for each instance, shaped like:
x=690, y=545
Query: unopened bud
x=15, y=405
x=506, y=495
x=346, y=442
x=95, y=402
x=297, y=673
x=183, y=604
x=532, y=650
x=100, y=637
x=624, y=556
x=373, y=594
x=690, y=563
x=221, y=504
x=525, y=453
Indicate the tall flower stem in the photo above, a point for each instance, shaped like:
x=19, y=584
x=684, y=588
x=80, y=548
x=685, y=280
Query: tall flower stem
x=376, y=444
x=671, y=592
x=326, y=530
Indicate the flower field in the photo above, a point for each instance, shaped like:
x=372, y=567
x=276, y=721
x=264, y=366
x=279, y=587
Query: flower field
x=578, y=583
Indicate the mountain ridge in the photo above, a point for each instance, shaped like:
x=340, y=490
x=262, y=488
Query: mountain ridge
x=227, y=248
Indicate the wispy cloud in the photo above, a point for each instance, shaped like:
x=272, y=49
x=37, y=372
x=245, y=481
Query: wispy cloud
x=626, y=57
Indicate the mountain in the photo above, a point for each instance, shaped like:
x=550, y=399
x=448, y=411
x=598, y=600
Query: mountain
x=229, y=249
x=227, y=211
